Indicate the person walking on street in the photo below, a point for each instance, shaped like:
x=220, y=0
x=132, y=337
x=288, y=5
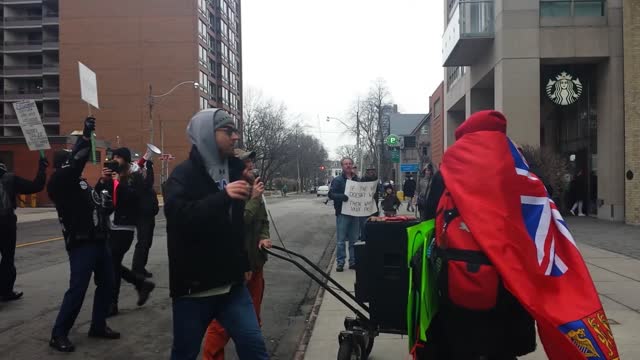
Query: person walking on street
x=390, y=203
x=256, y=222
x=125, y=187
x=83, y=214
x=284, y=190
x=347, y=227
x=208, y=263
x=409, y=189
x=10, y=186
x=149, y=208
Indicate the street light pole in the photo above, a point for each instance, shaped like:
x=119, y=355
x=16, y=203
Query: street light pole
x=152, y=98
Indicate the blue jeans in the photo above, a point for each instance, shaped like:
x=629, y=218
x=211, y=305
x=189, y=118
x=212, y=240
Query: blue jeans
x=347, y=230
x=93, y=258
x=234, y=311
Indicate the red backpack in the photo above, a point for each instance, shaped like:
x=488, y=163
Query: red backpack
x=467, y=279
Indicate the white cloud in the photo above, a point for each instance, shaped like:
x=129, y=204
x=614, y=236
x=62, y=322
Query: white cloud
x=319, y=56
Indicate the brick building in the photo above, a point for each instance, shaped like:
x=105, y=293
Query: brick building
x=436, y=107
x=137, y=49
x=631, y=29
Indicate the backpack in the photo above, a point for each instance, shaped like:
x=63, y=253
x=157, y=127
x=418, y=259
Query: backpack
x=6, y=194
x=466, y=277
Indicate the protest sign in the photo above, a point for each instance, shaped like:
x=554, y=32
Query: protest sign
x=88, y=85
x=31, y=124
x=360, y=198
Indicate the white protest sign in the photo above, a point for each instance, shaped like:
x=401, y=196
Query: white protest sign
x=360, y=198
x=88, y=85
x=31, y=124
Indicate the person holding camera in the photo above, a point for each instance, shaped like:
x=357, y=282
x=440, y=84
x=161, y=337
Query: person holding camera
x=256, y=238
x=83, y=214
x=208, y=263
x=125, y=187
x=10, y=186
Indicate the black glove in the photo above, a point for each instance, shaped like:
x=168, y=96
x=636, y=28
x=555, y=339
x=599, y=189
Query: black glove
x=43, y=163
x=345, y=198
x=89, y=126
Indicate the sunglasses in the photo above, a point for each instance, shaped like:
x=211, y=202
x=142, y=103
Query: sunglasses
x=229, y=130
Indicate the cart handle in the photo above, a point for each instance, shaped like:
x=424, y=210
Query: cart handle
x=320, y=282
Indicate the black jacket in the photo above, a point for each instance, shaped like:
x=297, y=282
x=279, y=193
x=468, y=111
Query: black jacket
x=14, y=185
x=205, y=229
x=127, y=200
x=82, y=218
x=148, y=197
x=409, y=188
x=336, y=192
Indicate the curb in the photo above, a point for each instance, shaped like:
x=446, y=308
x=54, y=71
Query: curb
x=303, y=343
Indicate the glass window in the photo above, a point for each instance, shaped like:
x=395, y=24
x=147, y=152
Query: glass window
x=566, y=8
x=202, y=5
x=204, y=82
x=555, y=8
x=424, y=130
x=588, y=8
x=436, y=108
x=204, y=103
x=203, y=55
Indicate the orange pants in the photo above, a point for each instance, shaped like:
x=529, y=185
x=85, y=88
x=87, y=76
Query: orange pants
x=216, y=337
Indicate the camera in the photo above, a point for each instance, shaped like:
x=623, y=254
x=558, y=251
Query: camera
x=112, y=165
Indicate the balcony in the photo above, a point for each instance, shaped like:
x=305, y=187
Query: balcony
x=51, y=44
x=11, y=2
x=23, y=70
x=31, y=94
x=469, y=32
x=22, y=46
x=22, y=21
x=51, y=19
x=47, y=119
x=51, y=69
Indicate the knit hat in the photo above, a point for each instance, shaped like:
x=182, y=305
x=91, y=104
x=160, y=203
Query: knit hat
x=123, y=152
x=221, y=118
x=486, y=120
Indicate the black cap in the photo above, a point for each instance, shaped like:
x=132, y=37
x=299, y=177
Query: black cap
x=123, y=152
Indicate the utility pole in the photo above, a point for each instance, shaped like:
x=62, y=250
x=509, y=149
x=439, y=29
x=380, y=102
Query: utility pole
x=380, y=144
x=359, y=153
x=151, y=114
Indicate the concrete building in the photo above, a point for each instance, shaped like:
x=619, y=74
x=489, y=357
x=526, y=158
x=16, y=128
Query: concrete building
x=404, y=125
x=137, y=49
x=631, y=21
x=422, y=133
x=555, y=68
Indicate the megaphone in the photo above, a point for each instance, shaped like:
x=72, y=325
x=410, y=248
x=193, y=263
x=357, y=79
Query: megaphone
x=151, y=149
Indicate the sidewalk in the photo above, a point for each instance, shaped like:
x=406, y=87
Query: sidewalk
x=617, y=278
x=36, y=214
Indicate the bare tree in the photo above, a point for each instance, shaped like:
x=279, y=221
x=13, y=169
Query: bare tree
x=349, y=151
x=266, y=132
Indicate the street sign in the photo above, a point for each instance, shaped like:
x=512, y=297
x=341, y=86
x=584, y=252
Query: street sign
x=392, y=141
x=409, y=168
x=395, y=155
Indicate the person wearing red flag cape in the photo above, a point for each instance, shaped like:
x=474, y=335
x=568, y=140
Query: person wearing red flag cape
x=505, y=258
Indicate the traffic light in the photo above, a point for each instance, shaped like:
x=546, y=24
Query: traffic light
x=322, y=167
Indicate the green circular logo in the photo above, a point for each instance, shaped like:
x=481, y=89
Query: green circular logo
x=392, y=140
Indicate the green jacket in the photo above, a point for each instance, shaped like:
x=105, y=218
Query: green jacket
x=256, y=223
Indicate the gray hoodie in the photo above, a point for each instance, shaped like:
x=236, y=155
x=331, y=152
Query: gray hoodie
x=201, y=132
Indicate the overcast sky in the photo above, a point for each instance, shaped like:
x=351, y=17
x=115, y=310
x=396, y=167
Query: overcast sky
x=318, y=56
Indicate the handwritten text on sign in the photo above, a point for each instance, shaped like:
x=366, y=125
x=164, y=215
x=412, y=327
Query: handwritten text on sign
x=360, y=198
x=31, y=124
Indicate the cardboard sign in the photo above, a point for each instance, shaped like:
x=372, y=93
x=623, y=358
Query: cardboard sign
x=31, y=124
x=88, y=85
x=360, y=198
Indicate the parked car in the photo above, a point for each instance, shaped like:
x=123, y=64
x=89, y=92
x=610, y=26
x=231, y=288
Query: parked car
x=323, y=190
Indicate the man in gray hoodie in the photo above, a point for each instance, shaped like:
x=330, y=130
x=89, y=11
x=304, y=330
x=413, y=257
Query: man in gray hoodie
x=208, y=263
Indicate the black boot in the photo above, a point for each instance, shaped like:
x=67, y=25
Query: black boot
x=13, y=295
x=144, y=291
x=62, y=344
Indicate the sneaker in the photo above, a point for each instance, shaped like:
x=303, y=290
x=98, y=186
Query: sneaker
x=144, y=291
x=62, y=344
x=12, y=296
x=581, y=214
x=340, y=268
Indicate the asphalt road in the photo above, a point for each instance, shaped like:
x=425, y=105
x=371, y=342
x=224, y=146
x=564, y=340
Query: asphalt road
x=306, y=224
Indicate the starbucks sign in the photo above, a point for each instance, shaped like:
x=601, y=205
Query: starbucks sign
x=564, y=90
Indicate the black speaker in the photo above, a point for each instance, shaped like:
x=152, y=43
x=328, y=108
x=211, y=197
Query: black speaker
x=386, y=274
x=362, y=285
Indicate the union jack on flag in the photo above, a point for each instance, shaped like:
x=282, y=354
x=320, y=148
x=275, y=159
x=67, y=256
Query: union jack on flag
x=542, y=218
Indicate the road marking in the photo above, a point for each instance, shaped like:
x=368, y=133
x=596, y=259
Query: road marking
x=39, y=242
